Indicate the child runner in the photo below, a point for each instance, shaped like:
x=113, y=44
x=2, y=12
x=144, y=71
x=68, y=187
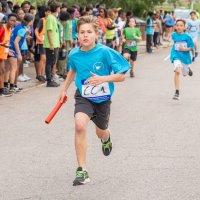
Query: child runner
x=131, y=36
x=180, y=54
x=193, y=30
x=95, y=87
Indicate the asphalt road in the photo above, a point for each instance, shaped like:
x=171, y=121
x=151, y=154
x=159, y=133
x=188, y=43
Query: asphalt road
x=156, y=141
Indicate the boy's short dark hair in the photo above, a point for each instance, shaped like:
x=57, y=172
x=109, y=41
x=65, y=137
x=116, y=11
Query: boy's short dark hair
x=181, y=20
x=10, y=2
x=12, y=15
x=25, y=2
x=193, y=12
x=71, y=10
x=28, y=17
x=64, y=16
x=53, y=6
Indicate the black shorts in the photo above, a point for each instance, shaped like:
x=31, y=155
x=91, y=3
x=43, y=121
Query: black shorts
x=133, y=54
x=99, y=113
x=39, y=49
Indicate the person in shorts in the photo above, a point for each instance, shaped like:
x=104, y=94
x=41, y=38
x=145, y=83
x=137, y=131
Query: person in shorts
x=92, y=64
x=131, y=35
x=193, y=27
x=4, y=52
x=180, y=54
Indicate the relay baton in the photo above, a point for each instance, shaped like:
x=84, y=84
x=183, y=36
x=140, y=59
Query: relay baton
x=55, y=110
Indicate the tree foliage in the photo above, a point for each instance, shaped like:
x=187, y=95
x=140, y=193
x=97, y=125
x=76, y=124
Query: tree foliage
x=138, y=7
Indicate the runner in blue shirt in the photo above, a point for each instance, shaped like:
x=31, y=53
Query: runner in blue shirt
x=193, y=27
x=180, y=54
x=92, y=64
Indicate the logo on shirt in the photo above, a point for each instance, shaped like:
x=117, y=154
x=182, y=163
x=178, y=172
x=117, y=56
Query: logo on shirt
x=98, y=66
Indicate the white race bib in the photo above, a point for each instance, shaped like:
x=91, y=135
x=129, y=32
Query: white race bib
x=130, y=43
x=99, y=92
x=179, y=45
x=193, y=29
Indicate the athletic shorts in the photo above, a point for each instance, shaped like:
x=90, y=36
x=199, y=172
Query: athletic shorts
x=99, y=113
x=39, y=49
x=24, y=52
x=133, y=54
x=184, y=68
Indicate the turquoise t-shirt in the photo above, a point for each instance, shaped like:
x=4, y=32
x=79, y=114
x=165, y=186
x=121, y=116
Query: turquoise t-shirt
x=181, y=40
x=100, y=60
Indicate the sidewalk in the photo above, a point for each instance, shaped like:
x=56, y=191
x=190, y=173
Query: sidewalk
x=30, y=71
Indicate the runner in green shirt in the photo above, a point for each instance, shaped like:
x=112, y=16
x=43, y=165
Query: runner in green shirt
x=131, y=35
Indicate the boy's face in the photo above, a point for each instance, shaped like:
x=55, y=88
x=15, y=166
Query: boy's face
x=132, y=22
x=11, y=21
x=180, y=27
x=193, y=16
x=26, y=8
x=20, y=14
x=87, y=35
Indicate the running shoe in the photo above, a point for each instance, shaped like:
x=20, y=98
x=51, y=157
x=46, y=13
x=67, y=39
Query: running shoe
x=176, y=96
x=41, y=79
x=107, y=147
x=6, y=93
x=52, y=84
x=21, y=78
x=81, y=177
x=132, y=74
x=190, y=73
x=196, y=54
x=27, y=77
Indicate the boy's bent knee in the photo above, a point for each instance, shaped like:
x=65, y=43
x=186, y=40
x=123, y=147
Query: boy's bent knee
x=177, y=71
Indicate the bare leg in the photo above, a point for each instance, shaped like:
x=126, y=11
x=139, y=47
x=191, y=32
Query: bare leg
x=13, y=69
x=2, y=71
x=7, y=71
x=102, y=134
x=177, y=79
x=81, y=123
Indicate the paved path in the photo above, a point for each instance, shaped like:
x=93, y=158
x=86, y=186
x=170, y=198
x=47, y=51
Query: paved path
x=156, y=154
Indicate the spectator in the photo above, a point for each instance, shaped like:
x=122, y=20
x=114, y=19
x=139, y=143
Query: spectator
x=51, y=44
x=149, y=32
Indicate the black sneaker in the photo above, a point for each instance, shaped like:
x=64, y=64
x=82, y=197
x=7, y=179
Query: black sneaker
x=6, y=93
x=12, y=89
x=41, y=79
x=190, y=73
x=52, y=84
x=176, y=96
x=107, y=147
x=81, y=177
x=132, y=74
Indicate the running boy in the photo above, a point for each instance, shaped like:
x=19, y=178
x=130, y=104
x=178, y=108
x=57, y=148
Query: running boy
x=131, y=35
x=193, y=30
x=180, y=54
x=92, y=65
